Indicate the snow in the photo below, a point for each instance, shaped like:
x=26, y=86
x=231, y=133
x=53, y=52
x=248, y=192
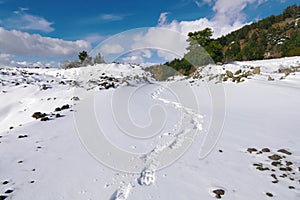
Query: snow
x=162, y=143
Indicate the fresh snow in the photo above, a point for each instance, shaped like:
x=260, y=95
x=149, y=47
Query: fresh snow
x=51, y=159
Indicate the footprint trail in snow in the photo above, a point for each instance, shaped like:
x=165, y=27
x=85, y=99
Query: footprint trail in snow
x=187, y=129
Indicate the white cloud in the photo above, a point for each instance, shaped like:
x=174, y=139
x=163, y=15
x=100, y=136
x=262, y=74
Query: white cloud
x=31, y=22
x=104, y=18
x=111, y=17
x=228, y=17
x=162, y=39
x=17, y=42
x=137, y=57
x=111, y=49
x=23, y=21
x=201, y=3
x=146, y=53
x=24, y=9
x=31, y=64
x=11, y=60
x=167, y=55
x=230, y=12
x=4, y=56
x=162, y=18
x=94, y=38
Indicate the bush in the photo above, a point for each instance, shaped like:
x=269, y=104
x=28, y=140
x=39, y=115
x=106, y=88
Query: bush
x=69, y=65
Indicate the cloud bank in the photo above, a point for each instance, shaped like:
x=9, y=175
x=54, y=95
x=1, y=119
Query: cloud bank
x=22, y=43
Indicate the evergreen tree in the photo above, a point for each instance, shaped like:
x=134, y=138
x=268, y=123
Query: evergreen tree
x=99, y=59
x=84, y=58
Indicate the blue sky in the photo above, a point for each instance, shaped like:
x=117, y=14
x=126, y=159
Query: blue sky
x=46, y=31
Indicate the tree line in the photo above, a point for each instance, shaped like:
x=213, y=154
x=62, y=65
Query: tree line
x=84, y=60
x=272, y=37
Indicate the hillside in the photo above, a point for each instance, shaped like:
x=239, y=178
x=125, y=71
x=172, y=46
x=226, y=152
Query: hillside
x=272, y=37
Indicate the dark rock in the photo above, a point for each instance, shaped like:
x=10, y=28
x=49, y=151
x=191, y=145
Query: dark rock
x=282, y=169
x=275, y=157
x=229, y=74
x=274, y=176
x=38, y=115
x=269, y=194
x=219, y=193
x=292, y=187
x=57, y=115
x=286, y=169
x=276, y=163
x=22, y=136
x=261, y=168
x=270, y=78
x=265, y=150
x=57, y=109
x=64, y=107
x=250, y=150
x=75, y=99
x=2, y=197
x=10, y=128
x=284, y=151
x=238, y=72
x=283, y=176
x=5, y=182
x=8, y=191
x=45, y=119
x=256, y=70
x=110, y=79
x=248, y=73
x=221, y=151
x=288, y=163
x=44, y=87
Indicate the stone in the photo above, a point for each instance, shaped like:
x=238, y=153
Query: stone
x=284, y=151
x=250, y=150
x=219, y=193
x=269, y=194
x=275, y=157
x=265, y=150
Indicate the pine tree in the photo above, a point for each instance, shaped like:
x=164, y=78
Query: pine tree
x=84, y=58
x=99, y=59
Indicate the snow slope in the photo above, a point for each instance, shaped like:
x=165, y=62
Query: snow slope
x=53, y=159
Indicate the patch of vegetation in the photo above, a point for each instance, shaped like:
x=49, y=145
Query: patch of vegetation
x=272, y=37
x=84, y=60
x=162, y=72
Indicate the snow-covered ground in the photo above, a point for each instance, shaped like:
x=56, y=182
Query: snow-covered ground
x=87, y=147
